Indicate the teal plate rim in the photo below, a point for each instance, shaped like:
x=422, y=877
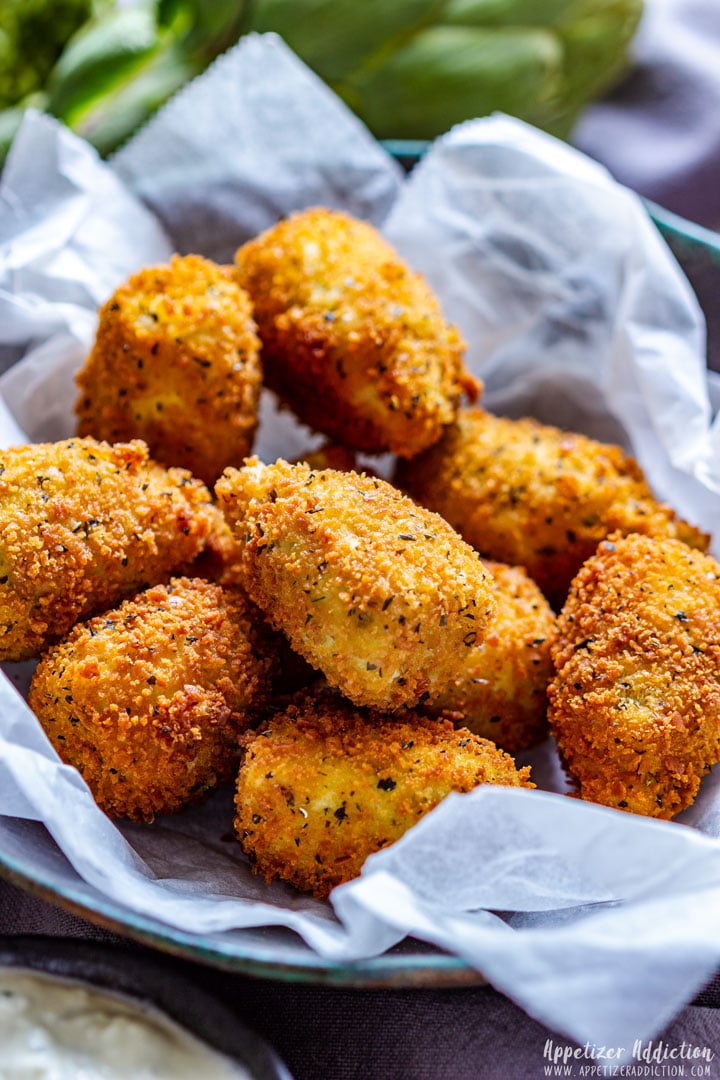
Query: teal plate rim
x=406, y=968
x=683, y=233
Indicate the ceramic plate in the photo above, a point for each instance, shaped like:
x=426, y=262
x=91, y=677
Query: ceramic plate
x=29, y=858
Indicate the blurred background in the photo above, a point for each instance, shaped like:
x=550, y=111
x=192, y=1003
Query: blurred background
x=635, y=85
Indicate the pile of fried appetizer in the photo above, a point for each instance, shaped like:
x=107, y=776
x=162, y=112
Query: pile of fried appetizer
x=346, y=649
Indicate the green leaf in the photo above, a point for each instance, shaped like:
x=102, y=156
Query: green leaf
x=104, y=52
x=595, y=39
x=448, y=74
x=117, y=114
x=10, y=120
x=32, y=36
x=336, y=37
x=524, y=13
x=206, y=29
x=410, y=68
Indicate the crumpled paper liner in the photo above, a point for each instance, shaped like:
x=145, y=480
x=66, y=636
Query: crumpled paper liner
x=598, y=923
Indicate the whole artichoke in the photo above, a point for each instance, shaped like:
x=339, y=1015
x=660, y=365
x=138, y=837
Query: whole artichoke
x=409, y=68
x=413, y=68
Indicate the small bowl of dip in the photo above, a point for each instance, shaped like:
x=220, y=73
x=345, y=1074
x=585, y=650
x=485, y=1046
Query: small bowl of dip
x=84, y=1010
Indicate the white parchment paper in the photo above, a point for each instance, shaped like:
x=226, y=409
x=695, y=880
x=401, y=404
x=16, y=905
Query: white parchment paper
x=575, y=312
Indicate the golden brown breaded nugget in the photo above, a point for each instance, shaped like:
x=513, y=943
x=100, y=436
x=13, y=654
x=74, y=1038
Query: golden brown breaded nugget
x=83, y=524
x=500, y=687
x=220, y=563
x=635, y=702
x=379, y=594
x=147, y=701
x=535, y=496
x=323, y=785
x=352, y=339
x=176, y=363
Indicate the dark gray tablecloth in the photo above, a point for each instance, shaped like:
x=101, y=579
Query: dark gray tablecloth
x=338, y=1034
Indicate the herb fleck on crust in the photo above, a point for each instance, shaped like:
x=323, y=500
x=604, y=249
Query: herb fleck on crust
x=378, y=593
x=353, y=340
x=635, y=702
x=323, y=785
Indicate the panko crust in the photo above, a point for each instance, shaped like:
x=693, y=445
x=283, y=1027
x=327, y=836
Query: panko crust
x=82, y=525
x=635, y=701
x=176, y=362
x=220, y=562
x=323, y=785
x=377, y=593
x=500, y=689
x=148, y=701
x=353, y=340
x=532, y=495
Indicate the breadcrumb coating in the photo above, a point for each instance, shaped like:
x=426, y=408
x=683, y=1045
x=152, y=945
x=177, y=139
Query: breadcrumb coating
x=500, y=688
x=323, y=785
x=220, y=562
x=82, y=525
x=353, y=340
x=532, y=495
x=635, y=701
x=379, y=594
x=147, y=701
x=176, y=362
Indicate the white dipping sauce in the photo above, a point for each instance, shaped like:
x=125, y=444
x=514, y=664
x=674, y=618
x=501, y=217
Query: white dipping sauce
x=53, y=1029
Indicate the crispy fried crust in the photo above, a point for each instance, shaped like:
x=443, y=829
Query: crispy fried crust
x=352, y=339
x=500, y=689
x=220, y=562
x=176, y=363
x=323, y=785
x=635, y=702
x=83, y=524
x=379, y=594
x=534, y=496
x=148, y=700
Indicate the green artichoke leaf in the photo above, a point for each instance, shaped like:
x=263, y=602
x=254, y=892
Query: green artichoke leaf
x=596, y=36
x=32, y=36
x=447, y=74
x=119, y=112
x=10, y=120
x=336, y=37
x=507, y=12
x=409, y=68
x=104, y=52
x=205, y=29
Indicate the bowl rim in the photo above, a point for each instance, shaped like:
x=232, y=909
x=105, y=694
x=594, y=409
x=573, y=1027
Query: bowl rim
x=392, y=970
x=150, y=981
